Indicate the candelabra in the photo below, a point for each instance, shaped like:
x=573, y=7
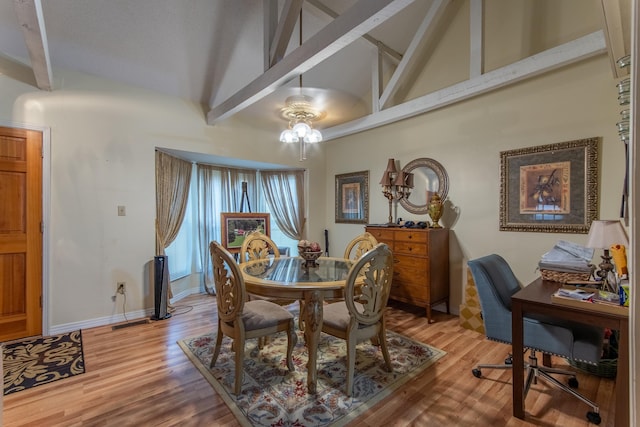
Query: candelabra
x=396, y=185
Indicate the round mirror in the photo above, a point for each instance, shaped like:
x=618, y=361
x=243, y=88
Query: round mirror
x=429, y=177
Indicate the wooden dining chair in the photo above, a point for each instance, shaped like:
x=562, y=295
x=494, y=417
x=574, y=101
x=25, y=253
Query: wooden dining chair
x=359, y=245
x=361, y=315
x=240, y=319
x=257, y=245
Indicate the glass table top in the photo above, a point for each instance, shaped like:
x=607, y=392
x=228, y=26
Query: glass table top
x=292, y=270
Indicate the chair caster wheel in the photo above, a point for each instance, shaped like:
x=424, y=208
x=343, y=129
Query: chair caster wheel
x=593, y=417
x=573, y=382
x=508, y=361
x=477, y=373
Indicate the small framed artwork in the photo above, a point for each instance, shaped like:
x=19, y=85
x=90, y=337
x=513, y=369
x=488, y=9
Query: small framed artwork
x=235, y=226
x=352, y=198
x=550, y=188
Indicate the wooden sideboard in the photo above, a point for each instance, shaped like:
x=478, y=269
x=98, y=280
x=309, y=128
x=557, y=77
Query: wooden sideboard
x=421, y=264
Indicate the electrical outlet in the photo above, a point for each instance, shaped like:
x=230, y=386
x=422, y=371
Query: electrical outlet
x=120, y=288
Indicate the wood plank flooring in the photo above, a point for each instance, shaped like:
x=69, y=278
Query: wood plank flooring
x=138, y=376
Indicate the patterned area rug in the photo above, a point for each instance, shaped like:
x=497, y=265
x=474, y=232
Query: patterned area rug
x=36, y=361
x=271, y=396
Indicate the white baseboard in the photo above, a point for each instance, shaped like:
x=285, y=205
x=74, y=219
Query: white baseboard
x=117, y=318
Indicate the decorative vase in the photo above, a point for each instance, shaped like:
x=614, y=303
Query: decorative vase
x=310, y=259
x=435, y=210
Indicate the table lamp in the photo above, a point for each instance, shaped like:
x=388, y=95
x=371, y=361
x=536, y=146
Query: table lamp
x=602, y=235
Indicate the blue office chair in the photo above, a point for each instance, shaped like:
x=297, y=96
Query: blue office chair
x=496, y=283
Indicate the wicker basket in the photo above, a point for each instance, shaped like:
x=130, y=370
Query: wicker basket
x=563, y=277
x=606, y=368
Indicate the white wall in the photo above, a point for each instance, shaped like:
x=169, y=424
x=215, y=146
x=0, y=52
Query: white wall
x=103, y=137
x=576, y=102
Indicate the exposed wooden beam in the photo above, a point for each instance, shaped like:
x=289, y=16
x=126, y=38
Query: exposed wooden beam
x=31, y=20
x=376, y=79
x=424, y=34
x=551, y=59
x=476, y=42
x=358, y=20
x=269, y=23
x=333, y=14
x=17, y=71
x=286, y=24
x=617, y=33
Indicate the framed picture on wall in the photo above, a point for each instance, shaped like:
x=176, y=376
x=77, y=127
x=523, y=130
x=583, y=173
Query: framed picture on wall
x=352, y=198
x=235, y=226
x=550, y=188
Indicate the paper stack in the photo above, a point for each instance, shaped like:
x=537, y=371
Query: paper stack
x=575, y=294
x=567, y=257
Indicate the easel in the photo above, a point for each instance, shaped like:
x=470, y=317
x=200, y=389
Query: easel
x=244, y=196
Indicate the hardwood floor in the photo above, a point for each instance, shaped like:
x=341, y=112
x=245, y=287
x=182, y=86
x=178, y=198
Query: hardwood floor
x=139, y=376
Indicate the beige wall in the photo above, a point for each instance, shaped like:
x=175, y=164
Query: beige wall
x=103, y=138
x=576, y=102
x=102, y=143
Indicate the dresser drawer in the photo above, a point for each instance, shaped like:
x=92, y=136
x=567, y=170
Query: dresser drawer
x=412, y=275
x=408, y=235
x=409, y=292
x=382, y=235
x=400, y=262
x=410, y=248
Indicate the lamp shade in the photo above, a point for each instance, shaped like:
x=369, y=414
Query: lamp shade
x=604, y=233
x=387, y=176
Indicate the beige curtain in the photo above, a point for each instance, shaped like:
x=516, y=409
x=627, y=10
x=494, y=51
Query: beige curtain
x=284, y=192
x=219, y=190
x=173, y=176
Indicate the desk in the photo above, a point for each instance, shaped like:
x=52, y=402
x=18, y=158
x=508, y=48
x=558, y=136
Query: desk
x=536, y=298
x=285, y=278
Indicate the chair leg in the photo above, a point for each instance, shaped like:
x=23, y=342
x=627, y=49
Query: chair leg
x=351, y=363
x=382, y=339
x=301, y=315
x=216, y=351
x=239, y=366
x=532, y=375
x=292, y=340
x=544, y=375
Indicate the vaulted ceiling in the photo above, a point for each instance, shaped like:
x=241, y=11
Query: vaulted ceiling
x=242, y=58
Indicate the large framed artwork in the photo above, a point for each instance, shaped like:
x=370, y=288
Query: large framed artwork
x=235, y=226
x=550, y=188
x=352, y=198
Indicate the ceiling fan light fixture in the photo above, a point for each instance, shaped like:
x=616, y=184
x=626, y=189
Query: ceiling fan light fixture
x=300, y=113
x=301, y=129
x=288, y=136
x=313, y=137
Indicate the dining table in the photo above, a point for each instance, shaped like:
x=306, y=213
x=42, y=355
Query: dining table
x=293, y=278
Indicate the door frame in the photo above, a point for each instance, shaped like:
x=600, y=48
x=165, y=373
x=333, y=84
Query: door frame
x=46, y=213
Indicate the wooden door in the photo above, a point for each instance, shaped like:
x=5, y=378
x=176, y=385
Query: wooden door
x=20, y=233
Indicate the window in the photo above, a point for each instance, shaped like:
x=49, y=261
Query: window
x=181, y=251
